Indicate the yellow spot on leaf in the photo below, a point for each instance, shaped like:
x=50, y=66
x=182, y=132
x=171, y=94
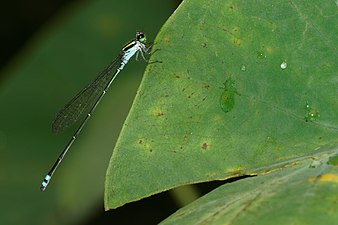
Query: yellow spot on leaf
x=217, y=118
x=329, y=177
x=236, y=41
x=166, y=40
x=269, y=50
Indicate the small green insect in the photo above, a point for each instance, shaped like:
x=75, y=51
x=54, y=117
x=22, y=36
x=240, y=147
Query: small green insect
x=312, y=114
x=227, y=99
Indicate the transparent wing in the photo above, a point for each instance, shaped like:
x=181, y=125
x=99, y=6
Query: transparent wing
x=85, y=99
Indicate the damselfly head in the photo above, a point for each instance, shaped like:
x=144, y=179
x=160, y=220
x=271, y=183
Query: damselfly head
x=141, y=37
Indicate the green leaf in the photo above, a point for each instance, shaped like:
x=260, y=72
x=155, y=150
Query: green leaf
x=187, y=126
x=302, y=193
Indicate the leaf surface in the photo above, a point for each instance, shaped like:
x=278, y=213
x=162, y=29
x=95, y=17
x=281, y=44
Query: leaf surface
x=242, y=86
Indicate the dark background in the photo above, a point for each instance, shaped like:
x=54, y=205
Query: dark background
x=20, y=20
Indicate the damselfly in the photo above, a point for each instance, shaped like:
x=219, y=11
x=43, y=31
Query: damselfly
x=90, y=97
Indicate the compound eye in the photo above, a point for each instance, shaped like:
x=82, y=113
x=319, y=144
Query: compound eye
x=141, y=37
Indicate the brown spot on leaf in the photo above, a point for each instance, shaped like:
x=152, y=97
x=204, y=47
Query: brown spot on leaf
x=191, y=95
x=205, y=146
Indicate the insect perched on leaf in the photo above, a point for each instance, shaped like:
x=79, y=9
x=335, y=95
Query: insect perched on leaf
x=227, y=99
x=88, y=99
